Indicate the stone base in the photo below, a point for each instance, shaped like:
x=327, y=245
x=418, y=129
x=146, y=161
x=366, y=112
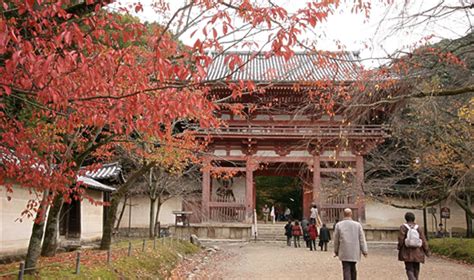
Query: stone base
x=213, y=231
x=243, y=231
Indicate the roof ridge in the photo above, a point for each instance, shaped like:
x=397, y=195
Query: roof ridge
x=353, y=52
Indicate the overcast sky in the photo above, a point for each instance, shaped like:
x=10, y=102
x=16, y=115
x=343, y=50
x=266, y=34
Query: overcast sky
x=369, y=36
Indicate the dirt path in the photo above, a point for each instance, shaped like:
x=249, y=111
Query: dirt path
x=277, y=261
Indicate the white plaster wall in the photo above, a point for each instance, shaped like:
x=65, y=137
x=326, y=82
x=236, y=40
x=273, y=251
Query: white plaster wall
x=329, y=153
x=281, y=117
x=166, y=212
x=92, y=216
x=346, y=153
x=236, y=153
x=383, y=215
x=225, y=117
x=220, y=153
x=141, y=212
x=14, y=234
x=266, y=153
x=262, y=117
x=299, y=154
x=301, y=118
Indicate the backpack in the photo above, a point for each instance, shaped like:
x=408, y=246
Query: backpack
x=413, y=239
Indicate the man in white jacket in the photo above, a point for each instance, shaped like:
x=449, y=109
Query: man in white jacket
x=349, y=243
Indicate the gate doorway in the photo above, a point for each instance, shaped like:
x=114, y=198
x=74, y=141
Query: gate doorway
x=281, y=192
x=70, y=220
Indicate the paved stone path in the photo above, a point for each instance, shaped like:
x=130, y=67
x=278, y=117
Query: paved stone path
x=277, y=261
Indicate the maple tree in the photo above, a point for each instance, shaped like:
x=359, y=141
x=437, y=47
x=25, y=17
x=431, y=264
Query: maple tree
x=74, y=82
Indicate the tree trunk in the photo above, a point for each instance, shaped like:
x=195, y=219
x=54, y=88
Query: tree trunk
x=108, y=229
x=466, y=206
x=157, y=217
x=115, y=199
x=51, y=237
x=117, y=226
x=469, y=233
x=152, y=217
x=34, y=246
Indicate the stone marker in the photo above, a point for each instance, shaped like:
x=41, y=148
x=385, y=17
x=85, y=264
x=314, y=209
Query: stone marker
x=195, y=240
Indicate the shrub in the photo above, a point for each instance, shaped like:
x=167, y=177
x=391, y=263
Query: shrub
x=455, y=248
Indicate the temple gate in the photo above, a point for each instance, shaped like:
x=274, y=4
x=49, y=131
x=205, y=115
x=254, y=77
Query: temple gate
x=282, y=125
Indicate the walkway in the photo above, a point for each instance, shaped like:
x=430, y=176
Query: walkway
x=274, y=260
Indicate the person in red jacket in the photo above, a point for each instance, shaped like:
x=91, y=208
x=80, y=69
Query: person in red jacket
x=313, y=234
x=296, y=232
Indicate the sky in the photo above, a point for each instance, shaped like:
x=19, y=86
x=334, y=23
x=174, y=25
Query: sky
x=373, y=38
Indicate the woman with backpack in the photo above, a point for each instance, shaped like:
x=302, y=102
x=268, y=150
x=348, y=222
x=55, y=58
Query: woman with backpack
x=412, y=246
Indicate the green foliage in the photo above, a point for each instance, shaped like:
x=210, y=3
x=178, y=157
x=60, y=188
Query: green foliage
x=455, y=248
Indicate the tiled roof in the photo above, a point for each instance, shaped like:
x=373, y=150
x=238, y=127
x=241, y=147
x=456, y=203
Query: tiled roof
x=93, y=184
x=107, y=171
x=301, y=67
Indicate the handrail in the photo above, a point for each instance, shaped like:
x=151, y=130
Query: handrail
x=299, y=130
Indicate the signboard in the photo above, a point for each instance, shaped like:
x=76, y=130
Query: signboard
x=445, y=213
x=432, y=210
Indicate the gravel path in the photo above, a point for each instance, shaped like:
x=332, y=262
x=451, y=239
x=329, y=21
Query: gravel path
x=277, y=261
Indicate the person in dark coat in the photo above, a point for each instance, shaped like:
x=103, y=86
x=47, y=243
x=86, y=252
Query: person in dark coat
x=296, y=232
x=304, y=226
x=410, y=255
x=324, y=237
x=313, y=234
x=288, y=230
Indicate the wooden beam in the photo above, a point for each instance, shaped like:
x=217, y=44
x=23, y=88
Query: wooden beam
x=229, y=169
x=226, y=204
x=206, y=193
x=360, y=191
x=282, y=159
x=328, y=169
x=249, y=189
x=317, y=180
x=339, y=206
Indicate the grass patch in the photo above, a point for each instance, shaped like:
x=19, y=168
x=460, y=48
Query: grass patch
x=149, y=264
x=454, y=248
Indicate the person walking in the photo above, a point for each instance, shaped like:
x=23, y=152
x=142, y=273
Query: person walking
x=288, y=231
x=296, y=232
x=313, y=234
x=412, y=246
x=287, y=214
x=265, y=211
x=334, y=225
x=304, y=226
x=349, y=243
x=272, y=214
x=314, y=214
x=324, y=237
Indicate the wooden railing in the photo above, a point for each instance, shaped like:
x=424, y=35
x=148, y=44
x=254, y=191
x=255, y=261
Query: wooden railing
x=331, y=214
x=339, y=199
x=296, y=130
x=227, y=213
x=228, y=199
